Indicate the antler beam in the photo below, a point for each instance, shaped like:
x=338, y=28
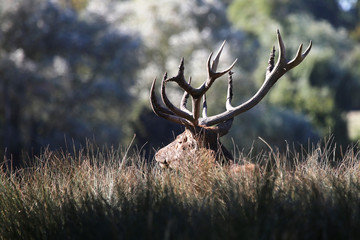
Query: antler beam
x=192, y=118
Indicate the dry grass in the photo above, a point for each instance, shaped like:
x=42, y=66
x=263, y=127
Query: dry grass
x=110, y=194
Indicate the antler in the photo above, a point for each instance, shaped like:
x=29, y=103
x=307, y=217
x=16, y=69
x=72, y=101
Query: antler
x=191, y=119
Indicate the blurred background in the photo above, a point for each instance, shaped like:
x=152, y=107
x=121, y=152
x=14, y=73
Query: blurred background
x=72, y=70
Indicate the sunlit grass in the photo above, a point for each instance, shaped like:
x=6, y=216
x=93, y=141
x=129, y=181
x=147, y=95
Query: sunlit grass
x=111, y=194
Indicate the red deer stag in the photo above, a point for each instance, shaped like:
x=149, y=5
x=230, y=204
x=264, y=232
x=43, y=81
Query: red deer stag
x=204, y=132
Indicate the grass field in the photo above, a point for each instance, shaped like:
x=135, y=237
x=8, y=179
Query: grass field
x=112, y=194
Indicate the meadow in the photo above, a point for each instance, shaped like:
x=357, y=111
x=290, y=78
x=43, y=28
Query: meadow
x=116, y=194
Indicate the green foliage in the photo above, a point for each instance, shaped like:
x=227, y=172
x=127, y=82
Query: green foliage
x=60, y=70
x=250, y=14
x=112, y=194
x=286, y=127
x=323, y=87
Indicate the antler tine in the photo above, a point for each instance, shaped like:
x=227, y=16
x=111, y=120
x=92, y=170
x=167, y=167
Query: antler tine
x=204, y=112
x=217, y=57
x=299, y=56
x=197, y=93
x=224, y=127
x=157, y=108
x=164, y=112
x=180, y=80
x=270, y=62
x=282, y=54
x=175, y=110
x=184, y=99
x=229, y=92
x=212, y=74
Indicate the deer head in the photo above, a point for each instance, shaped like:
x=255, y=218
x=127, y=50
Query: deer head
x=205, y=131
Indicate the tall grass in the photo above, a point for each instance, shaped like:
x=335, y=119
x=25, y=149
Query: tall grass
x=110, y=194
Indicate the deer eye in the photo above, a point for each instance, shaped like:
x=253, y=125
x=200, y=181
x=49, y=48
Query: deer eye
x=182, y=140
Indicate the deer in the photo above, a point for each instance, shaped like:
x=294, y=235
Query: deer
x=204, y=132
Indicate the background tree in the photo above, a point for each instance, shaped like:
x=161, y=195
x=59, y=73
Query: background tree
x=63, y=76
x=323, y=90
x=77, y=69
